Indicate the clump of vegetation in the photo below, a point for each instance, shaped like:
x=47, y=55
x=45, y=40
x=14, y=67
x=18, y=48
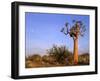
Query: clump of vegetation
x=56, y=56
x=33, y=61
x=59, y=53
x=84, y=59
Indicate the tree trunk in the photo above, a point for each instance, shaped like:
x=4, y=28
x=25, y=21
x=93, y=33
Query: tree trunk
x=75, y=51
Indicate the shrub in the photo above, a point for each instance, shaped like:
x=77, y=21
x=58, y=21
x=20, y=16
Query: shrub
x=35, y=58
x=84, y=59
x=59, y=53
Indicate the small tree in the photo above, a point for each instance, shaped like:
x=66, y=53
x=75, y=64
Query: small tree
x=75, y=30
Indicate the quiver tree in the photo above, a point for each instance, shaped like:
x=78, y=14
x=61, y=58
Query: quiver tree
x=75, y=30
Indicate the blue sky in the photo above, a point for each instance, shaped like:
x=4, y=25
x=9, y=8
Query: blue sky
x=43, y=31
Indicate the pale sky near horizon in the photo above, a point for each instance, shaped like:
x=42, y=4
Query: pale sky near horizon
x=43, y=31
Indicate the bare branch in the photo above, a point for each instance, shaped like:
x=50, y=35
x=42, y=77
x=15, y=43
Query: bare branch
x=77, y=29
x=62, y=29
x=66, y=24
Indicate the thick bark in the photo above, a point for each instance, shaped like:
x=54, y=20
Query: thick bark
x=75, y=51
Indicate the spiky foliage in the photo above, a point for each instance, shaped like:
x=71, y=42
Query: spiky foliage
x=59, y=53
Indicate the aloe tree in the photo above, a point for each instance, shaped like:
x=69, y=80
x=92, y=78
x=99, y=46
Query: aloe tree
x=74, y=30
